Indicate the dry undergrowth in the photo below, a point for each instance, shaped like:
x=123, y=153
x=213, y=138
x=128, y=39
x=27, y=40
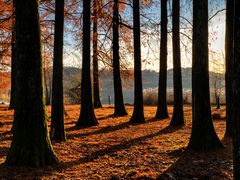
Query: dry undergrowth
x=118, y=150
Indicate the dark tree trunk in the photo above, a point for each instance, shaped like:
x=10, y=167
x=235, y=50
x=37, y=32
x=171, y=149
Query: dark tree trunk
x=229, y=65
x=119, y=108
x=162, y=111
x=138, y=114
x=48, y=92
x=13, y=61
x=178, y=117
x=218, y=102
x=236, y=93
x=203, y=134
x=87, y=115
x=57, y=113
x=31, y=144
x=96, y=95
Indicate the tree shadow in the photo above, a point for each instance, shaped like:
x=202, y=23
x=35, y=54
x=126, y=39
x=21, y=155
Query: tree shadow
x=109, y=116
x=109, y=129
x=177, y=152
x=70, y=123
x=47, y=171
x=25, y=172
x=170, y=129
x=99, y=119
x=103, y=130
x=5, y=133
x=118, y=147
x=7, y=123
x=4, y=136
x=3, y=151
x=73, y=128
x=111, y=150
x=152, y=120
x=211, y=164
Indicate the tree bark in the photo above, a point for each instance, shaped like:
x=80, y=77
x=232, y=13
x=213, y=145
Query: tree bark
x=236, y=93
x=57, y=113
x=119, y=108
x=138, y=114
x=178, y=117
x=13, y=61
x=87, y=115
x=96, y=94
x=162, y=111
x=48, y=92
x=229, y=65
x=31, y=144
x=203, y=135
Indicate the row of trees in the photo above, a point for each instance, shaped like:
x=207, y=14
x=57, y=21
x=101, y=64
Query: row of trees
x=31, y=143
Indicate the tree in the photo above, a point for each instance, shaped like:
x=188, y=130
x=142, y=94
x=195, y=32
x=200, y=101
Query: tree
x=96, y=96
x=119, y=108
x=13, y=60
x=162, y=111
x=138, y=115
x=236, y=92
x=31, y=144
x=217, y=79
x=57, y=113
x=203, y=135
x=229, y=65
x=178, y=117
x=87, y=116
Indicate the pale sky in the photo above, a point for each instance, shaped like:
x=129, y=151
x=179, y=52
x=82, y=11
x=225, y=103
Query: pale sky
x=150, y=56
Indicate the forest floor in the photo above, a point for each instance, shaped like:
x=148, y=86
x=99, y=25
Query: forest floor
x=117, y=149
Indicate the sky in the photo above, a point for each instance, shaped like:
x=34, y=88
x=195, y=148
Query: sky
x=151, y=44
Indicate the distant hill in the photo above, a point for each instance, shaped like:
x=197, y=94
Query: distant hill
x=150, y=80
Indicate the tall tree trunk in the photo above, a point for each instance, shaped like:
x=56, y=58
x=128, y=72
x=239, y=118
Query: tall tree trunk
x=119, y=108
x=229, y=66
x=87, y=115
x=236, y=92
x=57, y=113
x=47, y=83
x=138, y=114
x=31, y=144
x=96, y=96
x=203, y=134
x=162, y=111
x=178, y=117
x=13, y=60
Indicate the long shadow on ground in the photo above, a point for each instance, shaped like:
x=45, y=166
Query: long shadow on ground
x=109, y=129
x=111, y=150
x=103, y=130
x=121, y=146
x=200, y=165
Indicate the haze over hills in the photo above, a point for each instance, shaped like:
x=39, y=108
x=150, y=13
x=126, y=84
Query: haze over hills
x=150, y=81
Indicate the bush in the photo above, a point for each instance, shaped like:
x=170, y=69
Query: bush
x=74, y=94
x=150, y=96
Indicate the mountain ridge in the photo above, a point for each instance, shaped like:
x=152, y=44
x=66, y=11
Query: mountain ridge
x=150, y=81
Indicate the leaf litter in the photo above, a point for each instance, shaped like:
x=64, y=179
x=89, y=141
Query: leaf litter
x=117, y=149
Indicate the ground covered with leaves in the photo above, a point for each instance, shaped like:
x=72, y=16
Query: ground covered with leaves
x=117, y=149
